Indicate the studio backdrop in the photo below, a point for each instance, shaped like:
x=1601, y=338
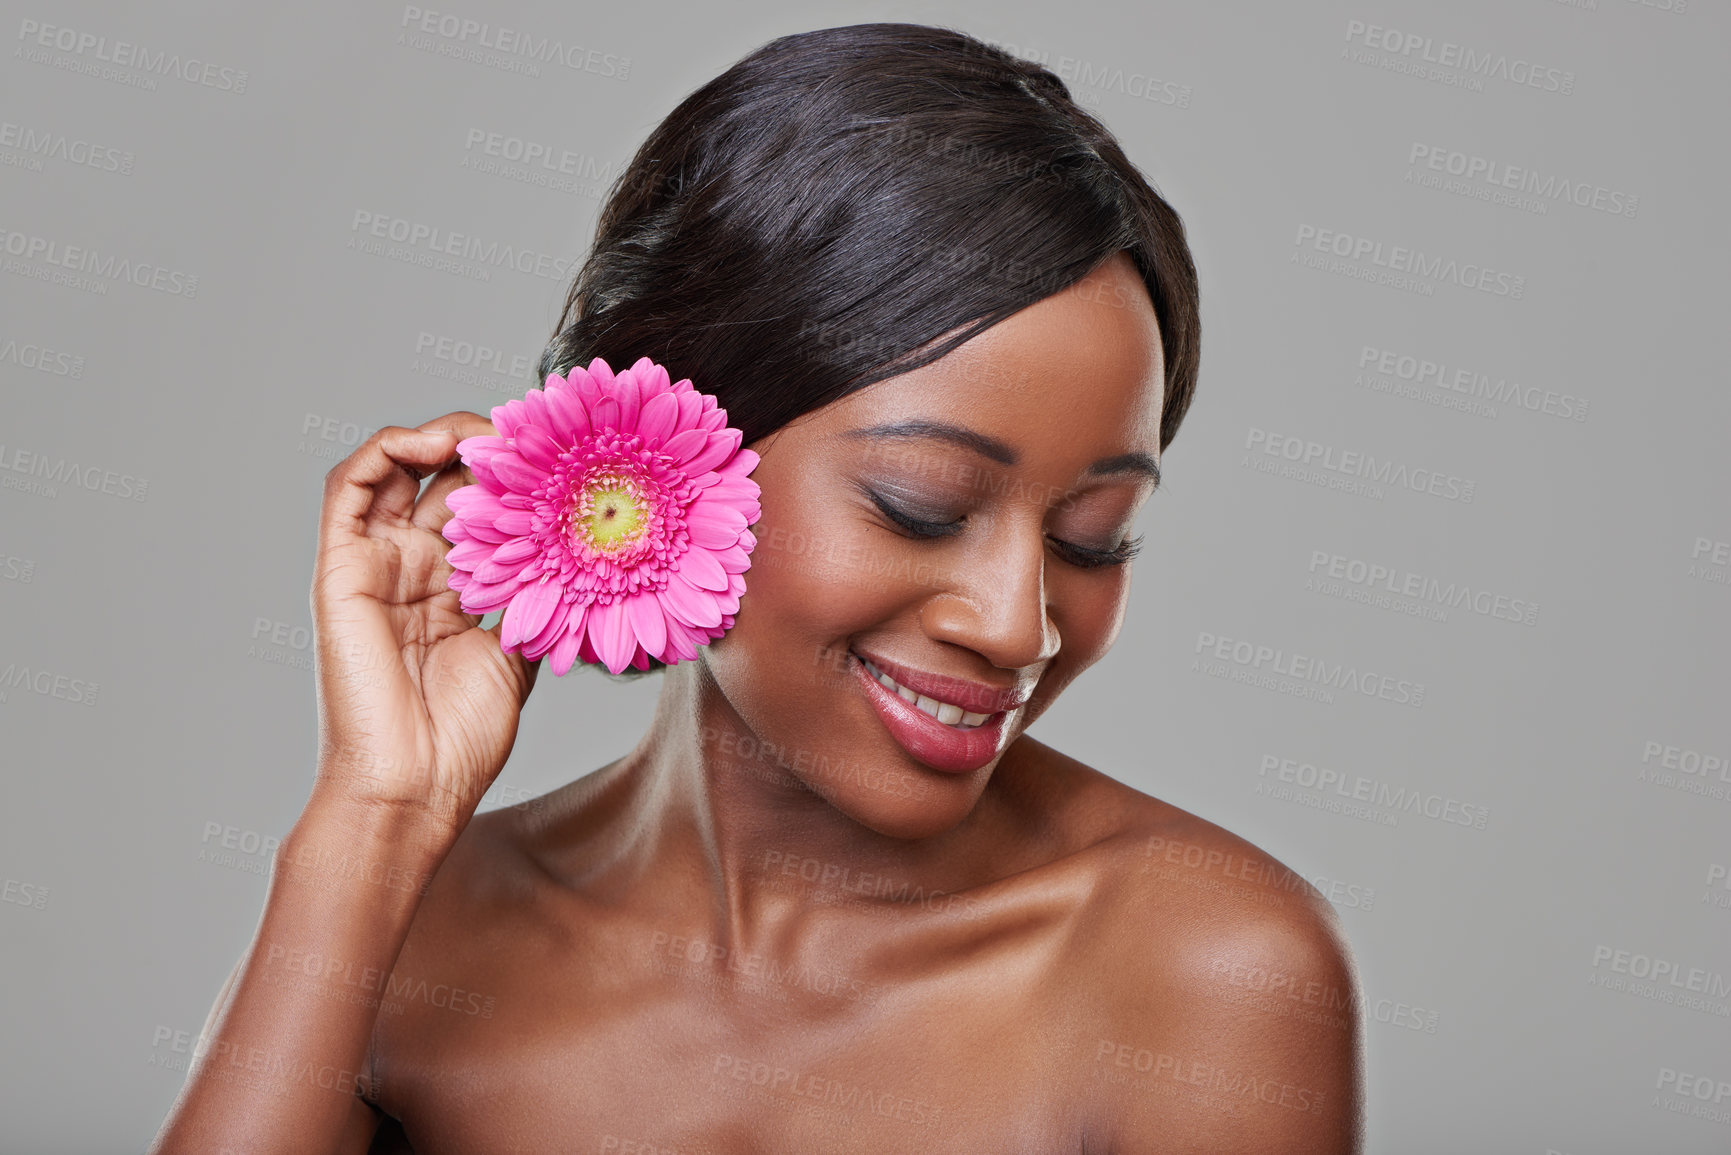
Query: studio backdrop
x=1435, y=599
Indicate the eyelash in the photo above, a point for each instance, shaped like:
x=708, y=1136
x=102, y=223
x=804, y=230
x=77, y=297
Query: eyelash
x=1076, y=555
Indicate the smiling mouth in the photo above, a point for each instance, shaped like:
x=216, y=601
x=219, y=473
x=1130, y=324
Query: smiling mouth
x=948, y=713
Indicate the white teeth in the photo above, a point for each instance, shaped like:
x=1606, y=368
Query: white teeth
x=946, y=712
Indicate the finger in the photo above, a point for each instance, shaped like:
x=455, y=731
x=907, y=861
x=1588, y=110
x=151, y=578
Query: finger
x=431, y=512
x=463, y=423
x=381, y=479
x=371, y=481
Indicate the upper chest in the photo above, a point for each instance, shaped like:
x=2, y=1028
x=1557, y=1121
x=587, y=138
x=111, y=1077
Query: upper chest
x=533, y=1036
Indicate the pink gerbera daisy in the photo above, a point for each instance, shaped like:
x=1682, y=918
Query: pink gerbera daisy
x=609, y=520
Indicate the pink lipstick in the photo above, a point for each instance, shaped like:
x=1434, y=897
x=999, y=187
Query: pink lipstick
x=964, y=742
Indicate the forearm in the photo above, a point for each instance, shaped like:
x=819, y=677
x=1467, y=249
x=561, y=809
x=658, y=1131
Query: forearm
x=284, y=1059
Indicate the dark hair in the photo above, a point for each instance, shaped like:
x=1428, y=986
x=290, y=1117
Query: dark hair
x=847, y=204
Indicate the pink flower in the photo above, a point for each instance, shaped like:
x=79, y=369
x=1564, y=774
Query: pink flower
x=609, y=520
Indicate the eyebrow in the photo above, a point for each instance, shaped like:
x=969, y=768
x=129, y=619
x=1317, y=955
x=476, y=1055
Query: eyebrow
x=992, y=448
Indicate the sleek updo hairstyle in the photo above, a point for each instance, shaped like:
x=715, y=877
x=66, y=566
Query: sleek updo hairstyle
x=847, y=204
x=816, y=217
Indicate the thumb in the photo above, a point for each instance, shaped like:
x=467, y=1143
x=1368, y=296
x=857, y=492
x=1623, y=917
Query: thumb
x=524, y=670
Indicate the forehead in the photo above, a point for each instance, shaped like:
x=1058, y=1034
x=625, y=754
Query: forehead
x=1082, y=367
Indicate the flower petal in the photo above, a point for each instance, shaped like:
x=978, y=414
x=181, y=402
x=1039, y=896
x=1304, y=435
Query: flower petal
x=483, y=471
x=543, y=640
x=610, y=631
x=707, y=534
x=484, y=505
x=570, y=417
x=510, y=468
x=528, y=612
x=711, y=533
x=742, y=463
x=721, y=446
x=481, y=529
x=689, y=604
x=507, y=417
x=601, y=373
x=517, y=549
x=535, y=408
x=629, y=399
x=493, y=571
x=563, y=655
x=728, y=511
x=699, y=567
x=588, y=391
x=471, y=445
x=604, y=414
x=680, y=645
x=468, y=554
x=537, y=447
x=741, y=495
x=460, y=498
x=735, y=560
x=516, y=522
x=494, y=593
x=656, y=422
x=647, y=624
x=684, y=445
x=690, y=409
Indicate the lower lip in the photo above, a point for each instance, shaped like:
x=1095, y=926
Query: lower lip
x=930, y=741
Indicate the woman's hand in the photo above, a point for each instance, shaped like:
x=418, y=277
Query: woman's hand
x=418, y=706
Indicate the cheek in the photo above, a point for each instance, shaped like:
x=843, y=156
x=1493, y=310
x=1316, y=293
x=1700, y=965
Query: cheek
x=1088, y=617
x=817, y=575
x=820, y=567
x=1091, y=616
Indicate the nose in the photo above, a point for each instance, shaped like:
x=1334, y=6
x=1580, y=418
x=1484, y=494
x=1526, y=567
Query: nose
x=994, y=602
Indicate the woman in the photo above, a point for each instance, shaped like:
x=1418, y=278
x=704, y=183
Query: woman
x=803, y=915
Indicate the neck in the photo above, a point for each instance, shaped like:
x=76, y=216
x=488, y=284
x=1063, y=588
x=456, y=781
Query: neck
x=704, y=826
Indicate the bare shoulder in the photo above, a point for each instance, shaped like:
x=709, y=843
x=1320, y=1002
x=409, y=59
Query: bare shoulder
x=488, y=880
x=1223, y=995
x=452, y=978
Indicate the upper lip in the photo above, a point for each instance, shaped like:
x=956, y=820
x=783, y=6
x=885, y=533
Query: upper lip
x=976, y=697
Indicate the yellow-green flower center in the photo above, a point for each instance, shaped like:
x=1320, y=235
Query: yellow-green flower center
x=611, y=514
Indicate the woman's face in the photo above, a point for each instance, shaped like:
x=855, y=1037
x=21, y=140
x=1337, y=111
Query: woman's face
x=1023, y=455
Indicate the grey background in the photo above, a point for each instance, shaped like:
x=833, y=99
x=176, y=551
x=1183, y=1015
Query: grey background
x=173, y=628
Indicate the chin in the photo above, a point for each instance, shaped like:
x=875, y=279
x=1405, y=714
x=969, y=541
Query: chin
x=943, y=804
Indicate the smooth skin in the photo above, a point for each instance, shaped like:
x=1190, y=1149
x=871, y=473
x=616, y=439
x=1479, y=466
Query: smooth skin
x=769, y=928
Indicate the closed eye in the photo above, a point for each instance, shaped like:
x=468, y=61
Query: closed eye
x=1079, y=556
x=1089, y=558
x=915, y=525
